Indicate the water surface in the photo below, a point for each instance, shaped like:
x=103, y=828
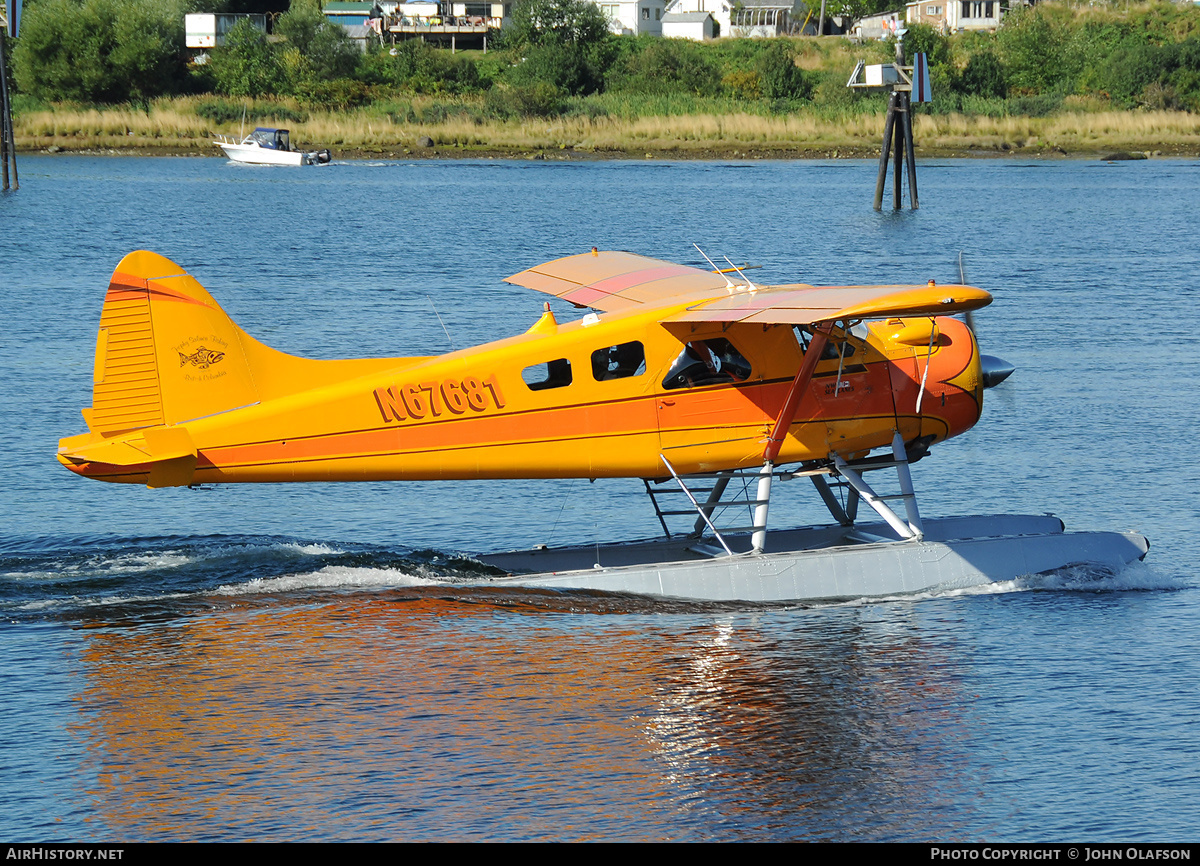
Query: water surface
x=304, y=662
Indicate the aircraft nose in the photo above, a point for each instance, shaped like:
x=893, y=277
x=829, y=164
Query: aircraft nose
x=994, y=370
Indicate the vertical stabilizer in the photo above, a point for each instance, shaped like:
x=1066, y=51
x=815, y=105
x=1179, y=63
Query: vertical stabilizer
x=166, y=352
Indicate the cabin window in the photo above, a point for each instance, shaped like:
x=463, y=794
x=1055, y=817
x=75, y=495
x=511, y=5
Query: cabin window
x=551, y=374
x=619, y=362
x=830, y=352
x=707, y=362
x=832, y=347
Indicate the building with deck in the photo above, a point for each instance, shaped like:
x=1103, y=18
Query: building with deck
x=450, y=24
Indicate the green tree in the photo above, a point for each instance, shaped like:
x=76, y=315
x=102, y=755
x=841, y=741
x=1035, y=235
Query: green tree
x=103, y=51
x=922, y=38
x=564, y=43
x=539, y=22
x=316, y=48
x=1034, y=51
x=246, y=65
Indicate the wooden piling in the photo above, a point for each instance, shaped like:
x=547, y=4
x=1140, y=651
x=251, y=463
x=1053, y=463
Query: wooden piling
x=8, y=150
x=888, y=127
x=897, y=146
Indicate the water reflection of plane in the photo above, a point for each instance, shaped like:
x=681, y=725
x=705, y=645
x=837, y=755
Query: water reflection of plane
x=472, y=714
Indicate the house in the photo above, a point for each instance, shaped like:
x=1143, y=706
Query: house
x=767, y=18
x=753, y=18
x=721, y=12
x=349, y=14
x=634, y=17
x=697, y=26
x=951, y=16
x=209, y=31
x=353, y=18
x=879, y=26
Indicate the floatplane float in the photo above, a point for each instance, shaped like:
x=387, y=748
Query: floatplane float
x=695, y=380
x=267, y=146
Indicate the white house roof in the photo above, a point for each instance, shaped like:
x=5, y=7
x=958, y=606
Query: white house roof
x=685, y=17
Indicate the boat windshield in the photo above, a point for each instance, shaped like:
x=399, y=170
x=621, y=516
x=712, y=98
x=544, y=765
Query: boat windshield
x=272, y=139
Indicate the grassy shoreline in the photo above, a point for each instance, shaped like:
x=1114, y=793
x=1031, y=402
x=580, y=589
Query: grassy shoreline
x=174, y=127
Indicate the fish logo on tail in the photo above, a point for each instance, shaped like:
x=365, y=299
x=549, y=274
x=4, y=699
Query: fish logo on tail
x=202, y=358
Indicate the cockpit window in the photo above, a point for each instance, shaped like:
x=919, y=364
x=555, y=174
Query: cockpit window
x=619, y=362
x=707, y=362
x=551, y=374
x=830, y=352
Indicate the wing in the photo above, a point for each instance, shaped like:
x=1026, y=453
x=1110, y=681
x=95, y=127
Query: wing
x=806, y=305
x=611, y=281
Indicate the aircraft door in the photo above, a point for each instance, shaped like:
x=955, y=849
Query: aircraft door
x=708, y=410
x=844, y=388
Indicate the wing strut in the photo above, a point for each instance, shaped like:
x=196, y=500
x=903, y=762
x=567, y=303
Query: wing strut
x=783, y=423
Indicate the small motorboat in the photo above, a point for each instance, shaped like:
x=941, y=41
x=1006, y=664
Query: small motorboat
x=270, y=147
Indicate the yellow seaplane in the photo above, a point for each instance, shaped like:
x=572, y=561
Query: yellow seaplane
x=695, y=380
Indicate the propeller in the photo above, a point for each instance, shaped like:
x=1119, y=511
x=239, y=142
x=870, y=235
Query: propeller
x=994, y=370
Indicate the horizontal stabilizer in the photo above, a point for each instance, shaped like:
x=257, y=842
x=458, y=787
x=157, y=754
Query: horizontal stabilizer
x=153, y=444
x=168, y=453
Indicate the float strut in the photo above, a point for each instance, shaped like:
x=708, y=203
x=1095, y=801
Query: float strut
x=906, y=486
x=763, y=496
x=714, y=499
x=911, y=529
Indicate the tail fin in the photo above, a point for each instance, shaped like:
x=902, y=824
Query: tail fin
x=166, y=352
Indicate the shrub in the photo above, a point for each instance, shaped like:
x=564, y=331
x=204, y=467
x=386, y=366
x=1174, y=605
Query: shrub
x=419, y=68
x=246, y=65
x=569, y=67
x=338, y=95
x=983, y=76
x=100, y=50
x=536, y=100
x=743, y=84
x=320, y=49
x=924, y=38
x=781, y=77
x=666, y=66
x=221, y=111
x=1034, y=52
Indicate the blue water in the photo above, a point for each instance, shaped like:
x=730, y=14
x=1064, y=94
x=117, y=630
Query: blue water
x=305, y=662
